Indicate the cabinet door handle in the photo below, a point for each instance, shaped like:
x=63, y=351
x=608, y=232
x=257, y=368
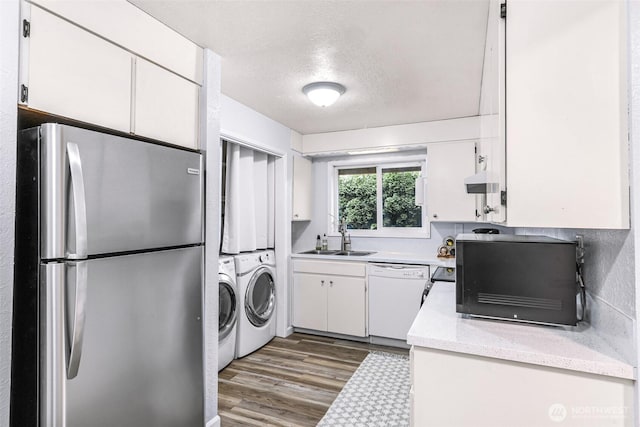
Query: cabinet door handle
x=331, y=283
x=321, y=282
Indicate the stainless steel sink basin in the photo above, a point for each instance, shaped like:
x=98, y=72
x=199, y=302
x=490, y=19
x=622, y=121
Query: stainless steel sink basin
x=319, y=252
x=353, y=253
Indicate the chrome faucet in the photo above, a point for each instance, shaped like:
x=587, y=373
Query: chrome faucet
x=342, y=229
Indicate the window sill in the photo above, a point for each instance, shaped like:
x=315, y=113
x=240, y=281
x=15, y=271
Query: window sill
x=422, y=234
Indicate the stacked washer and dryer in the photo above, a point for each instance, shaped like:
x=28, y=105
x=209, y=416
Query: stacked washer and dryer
x=247, y=322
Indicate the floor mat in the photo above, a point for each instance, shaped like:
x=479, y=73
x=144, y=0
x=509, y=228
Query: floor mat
x=376, y=395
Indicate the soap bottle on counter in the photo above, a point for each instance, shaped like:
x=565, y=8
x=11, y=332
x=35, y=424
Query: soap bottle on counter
x=325, y=243
x=318, y=243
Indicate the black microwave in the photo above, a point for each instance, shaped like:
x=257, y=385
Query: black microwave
x=518, y=278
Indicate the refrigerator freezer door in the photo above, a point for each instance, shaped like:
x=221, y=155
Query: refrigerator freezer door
x=136, y=195
x=141, y=355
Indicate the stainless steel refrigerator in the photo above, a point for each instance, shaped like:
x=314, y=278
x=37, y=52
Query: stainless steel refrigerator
x=107, y=327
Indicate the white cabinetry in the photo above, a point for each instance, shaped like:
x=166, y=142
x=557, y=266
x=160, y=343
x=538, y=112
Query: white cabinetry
x=330, y=297
x=302, y=185
x=73, y=73
x=566, y=114
x=455, y=389
x=128, y=26
x=310, y=301
x=448, y=164
x=166, y=105
x=560, y=69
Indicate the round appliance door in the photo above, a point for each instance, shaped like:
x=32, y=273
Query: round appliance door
x=227, y=309
x=260, y=300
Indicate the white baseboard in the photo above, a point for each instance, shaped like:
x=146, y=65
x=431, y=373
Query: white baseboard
x=331, y=334
x=214, y=422
x=389, y=342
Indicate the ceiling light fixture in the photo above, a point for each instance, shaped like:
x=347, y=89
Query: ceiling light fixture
x=323, y=94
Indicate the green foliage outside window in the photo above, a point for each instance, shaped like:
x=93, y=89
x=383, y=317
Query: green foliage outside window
x=357, y=198
x=357, y=201
x=398, y=199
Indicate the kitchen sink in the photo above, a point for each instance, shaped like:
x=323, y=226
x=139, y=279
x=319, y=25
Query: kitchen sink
x=320, y=252
x=353, y=253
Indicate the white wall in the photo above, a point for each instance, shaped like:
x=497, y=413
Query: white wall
x=634, y=126
x=244, y=125
x=413, y=135
x=210, y=142
x=9, y=33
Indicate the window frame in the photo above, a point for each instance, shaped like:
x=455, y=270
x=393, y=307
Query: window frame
x=379, y=164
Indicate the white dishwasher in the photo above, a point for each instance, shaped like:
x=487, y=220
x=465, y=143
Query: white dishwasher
x=395, y=294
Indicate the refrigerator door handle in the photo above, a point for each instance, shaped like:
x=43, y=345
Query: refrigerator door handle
x=79, y=201
x=77, y=331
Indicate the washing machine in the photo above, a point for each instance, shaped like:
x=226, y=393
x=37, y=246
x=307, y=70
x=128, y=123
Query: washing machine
x=228, y=303
x=256, y=280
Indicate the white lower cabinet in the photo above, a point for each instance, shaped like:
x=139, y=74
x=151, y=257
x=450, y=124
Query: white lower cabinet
x=455, y=389
x=330, y=302
x=309, y=301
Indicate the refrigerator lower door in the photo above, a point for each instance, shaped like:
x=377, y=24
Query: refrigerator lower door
x=105, y=194
x=137, y=331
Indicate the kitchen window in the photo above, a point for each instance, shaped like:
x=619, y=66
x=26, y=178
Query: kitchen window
x=377, y=199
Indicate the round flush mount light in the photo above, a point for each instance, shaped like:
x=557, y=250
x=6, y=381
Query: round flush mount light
x=323, y=94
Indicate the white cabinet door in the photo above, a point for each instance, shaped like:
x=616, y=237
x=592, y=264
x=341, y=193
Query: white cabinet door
x=346, y=307
x=129, y=26
x=301, y=197
x=166, y=106
x=74, y=74
x=448, y=164
x=310, y=301
x=566, y=118
x=504, y=393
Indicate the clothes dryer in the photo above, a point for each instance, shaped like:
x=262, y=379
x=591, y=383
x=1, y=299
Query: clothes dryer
x=227, y=311
x=256, y=279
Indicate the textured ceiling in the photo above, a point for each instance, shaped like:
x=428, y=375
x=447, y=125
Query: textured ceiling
x=401, y=61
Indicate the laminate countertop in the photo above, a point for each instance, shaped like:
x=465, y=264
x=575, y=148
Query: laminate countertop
x=390, y=257
x=579, y=348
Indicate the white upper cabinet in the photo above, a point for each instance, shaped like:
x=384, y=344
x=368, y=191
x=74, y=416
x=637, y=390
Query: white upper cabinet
x=566, y=114
x=302, y=185
x=165, y=105
x=126, y=25
x=448, y=164
x=72, y=73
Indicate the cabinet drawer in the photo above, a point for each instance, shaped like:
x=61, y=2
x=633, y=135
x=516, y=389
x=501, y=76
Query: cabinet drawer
x=329, y=267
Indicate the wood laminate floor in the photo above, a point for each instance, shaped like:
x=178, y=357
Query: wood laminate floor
x=289, y=382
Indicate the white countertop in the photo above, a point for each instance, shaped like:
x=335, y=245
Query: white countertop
x=394, y=257
x=579, y=348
